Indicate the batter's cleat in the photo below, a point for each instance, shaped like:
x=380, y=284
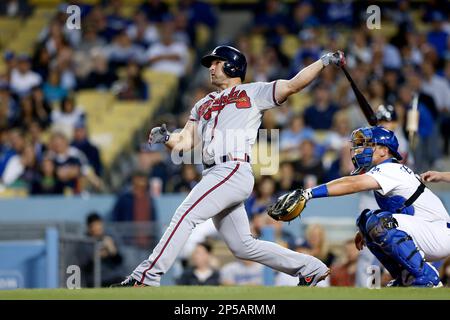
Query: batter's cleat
x=395, y=283
x=128, y=282
x=313, y=280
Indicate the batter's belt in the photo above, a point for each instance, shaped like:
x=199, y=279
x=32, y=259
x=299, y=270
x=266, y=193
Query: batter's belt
x=228, y=157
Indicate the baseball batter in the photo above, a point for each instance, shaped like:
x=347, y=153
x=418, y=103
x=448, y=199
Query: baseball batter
x=411, y=227
x=226, y=124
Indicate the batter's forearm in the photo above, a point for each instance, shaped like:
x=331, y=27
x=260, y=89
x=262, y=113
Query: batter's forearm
x=305, y=76
x=285, y=88
x=179, y=141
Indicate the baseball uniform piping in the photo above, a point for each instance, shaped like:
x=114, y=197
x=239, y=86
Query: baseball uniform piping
x=184, y=215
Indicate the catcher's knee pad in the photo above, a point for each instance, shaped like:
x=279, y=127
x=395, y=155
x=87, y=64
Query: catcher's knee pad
x=395, y=246
x=390, y=264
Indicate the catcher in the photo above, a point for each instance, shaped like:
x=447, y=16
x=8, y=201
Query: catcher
x=412, y=226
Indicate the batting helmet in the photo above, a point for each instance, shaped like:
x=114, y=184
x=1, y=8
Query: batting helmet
x=235, y=62
x=386, y=113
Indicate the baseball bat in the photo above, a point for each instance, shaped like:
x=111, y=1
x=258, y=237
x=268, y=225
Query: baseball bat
x=363, y=104
x=412, y=121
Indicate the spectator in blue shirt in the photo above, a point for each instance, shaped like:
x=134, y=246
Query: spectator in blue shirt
x=319, y=116
x=437, y=37
x=155, y=10
x=135, y=203
x=82, y=143
x=292, y=136
x=271, y=22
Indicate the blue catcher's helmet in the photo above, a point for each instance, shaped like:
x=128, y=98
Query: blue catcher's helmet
x=365, y=139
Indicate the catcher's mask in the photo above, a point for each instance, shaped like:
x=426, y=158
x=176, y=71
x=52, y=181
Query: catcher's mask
x=364, y=140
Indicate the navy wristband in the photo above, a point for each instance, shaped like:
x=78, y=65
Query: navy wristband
x=320, y=191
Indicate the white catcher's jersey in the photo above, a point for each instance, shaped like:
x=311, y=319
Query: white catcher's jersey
x=228, y=121
x=398, y=183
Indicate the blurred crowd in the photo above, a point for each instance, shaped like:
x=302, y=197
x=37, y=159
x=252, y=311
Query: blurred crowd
x=45, y=146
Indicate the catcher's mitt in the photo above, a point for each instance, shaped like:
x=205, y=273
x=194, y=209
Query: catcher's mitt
x=289, y=206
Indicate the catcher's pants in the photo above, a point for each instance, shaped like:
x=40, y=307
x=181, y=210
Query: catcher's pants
x=220, y=195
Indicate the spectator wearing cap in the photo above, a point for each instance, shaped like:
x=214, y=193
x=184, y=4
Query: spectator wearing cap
x=23, y=79
x=110, y=256
x=168, y=55
x=200, y=272
x=319, y=116
x=82, y=143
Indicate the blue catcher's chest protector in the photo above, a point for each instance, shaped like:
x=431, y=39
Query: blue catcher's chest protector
x=397, y=203
x=393, y=204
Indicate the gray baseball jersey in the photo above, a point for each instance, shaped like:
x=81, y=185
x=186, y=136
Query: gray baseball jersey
x=227, y=125
x=228, y=121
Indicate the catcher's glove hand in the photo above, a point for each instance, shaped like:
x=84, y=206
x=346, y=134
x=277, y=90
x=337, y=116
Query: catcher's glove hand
x=289, y=206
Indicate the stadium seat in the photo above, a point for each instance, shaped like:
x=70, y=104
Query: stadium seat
x=290, y=45
x=300, y=101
